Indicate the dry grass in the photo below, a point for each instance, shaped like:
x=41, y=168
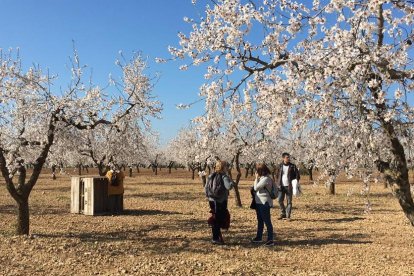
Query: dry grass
x=164, y=232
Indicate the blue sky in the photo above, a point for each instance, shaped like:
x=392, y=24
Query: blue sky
x=44, y=30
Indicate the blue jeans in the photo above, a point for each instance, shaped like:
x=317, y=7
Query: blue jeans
x=263, y=217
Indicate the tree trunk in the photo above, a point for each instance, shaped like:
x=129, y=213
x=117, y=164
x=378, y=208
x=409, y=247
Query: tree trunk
x=331, y=188
x=101, y=170
x=130, y=171
x=398, y=174
x=386, y=183
x=79, y=170
x=22, y=192
x=399, y=179
x=310, y=171
x=236, y=183
x=137, y=169
x=247, y=172
x=402, y=191
x=169, y=170
x=23, y=217
x=53, y=172
x=331, y=182
x=237, y=192
x=193, y=174
x=86, y=168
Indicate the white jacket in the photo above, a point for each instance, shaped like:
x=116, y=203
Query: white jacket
x=262, y=196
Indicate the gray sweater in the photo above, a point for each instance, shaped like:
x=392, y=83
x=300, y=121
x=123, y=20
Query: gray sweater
x=228, y=183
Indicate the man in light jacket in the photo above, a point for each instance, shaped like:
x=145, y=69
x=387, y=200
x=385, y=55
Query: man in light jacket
x=285, y=173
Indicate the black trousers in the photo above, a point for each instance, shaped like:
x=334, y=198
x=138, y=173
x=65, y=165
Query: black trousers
x=219, y=209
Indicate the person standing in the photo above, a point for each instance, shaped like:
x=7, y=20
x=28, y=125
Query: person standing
x=217, y=189
x=115, y=190
x=262, y=189
x=285, y=174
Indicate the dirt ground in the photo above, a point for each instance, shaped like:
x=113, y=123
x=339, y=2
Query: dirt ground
x=164, y=232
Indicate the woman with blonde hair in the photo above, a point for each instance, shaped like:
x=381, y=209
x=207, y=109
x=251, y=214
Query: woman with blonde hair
x=217, y=189
x=263, y=190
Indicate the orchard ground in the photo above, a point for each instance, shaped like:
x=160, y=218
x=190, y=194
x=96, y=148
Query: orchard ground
x=164, y=232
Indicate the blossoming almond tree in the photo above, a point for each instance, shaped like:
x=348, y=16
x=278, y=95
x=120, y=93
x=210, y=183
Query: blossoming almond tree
x=236, y=126
x=335, y=62
x=32, y=115
x=122, y=143
x=64, y=152
x=186, y=149
x=108, y=144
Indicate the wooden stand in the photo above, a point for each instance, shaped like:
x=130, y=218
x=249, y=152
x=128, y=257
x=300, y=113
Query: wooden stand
x=89, y=195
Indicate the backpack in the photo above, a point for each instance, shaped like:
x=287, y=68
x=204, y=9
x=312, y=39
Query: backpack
x=273, y=191
x=114, y=179
x=215, y=186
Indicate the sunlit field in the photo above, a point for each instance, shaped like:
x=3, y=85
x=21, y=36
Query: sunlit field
x=164, y=231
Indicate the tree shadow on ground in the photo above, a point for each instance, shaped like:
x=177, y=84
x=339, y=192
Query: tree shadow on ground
x=8, y=209
x=307, y=238
x=311, y=243
x=334, y=220
x=383, y=210
x=34, y=210
x=166, y=196
x=186, y=225
x=50, y=211
x=175, y=235
x=143, y=212
x=385, y=194
x=124, y=235
x=335, y=209
x=339, y=220
x=355, y=211
x=316, y=242
x=167, y=184
x=150, y=239
x=52, y=188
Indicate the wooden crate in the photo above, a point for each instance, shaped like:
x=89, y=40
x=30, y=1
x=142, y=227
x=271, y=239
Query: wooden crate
x=89, y=195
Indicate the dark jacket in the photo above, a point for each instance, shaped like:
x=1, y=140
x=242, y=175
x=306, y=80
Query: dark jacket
x=293, y=173
x=228, y=183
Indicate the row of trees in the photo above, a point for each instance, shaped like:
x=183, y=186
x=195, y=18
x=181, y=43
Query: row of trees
x=334, y=77
x=328, y=80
